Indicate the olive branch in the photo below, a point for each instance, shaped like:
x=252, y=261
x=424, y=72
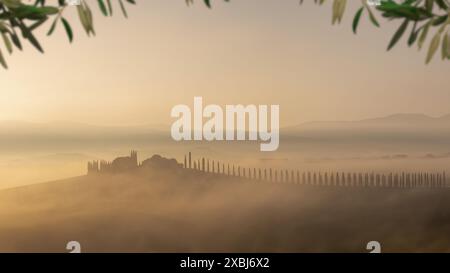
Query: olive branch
x=19, y=19
x=418, y=17
x=421, y=16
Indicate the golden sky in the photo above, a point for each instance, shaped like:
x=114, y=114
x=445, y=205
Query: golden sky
x=244, y=52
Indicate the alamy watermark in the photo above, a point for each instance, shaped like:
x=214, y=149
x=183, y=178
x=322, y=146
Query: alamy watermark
x=73, y=2
x=374, y=247
x=374, y=3
x=212, y=123
x=73, y=247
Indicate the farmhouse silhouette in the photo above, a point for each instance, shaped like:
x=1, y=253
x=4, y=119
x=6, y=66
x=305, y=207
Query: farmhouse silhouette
x=130, y=163
x=211, y=167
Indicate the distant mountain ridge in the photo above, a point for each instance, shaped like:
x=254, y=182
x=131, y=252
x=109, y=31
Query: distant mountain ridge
x=402, y=117
x=413, y=124
x=74, y=129
x=405, y=118
x=401, y=120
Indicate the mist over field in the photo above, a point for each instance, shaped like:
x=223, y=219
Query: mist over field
x=177, y=210
x=187, y=211
x=33, y=152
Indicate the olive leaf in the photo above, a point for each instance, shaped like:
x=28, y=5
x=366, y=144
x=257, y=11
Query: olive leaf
x=434, y=45
x=19, y=19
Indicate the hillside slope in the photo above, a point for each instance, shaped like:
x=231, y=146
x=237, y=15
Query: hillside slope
x=182, y=211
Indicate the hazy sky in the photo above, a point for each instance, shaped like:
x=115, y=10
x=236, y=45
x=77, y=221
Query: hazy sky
x=243, y=52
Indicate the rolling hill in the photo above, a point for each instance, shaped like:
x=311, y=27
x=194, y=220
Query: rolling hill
x=175, y=211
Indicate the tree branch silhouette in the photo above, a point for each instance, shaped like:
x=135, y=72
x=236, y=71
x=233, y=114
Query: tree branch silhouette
x=19, y=19
x=418, y=17
x=421, y=16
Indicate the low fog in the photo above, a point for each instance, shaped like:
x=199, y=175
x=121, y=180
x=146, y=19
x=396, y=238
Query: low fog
x=33, y=152
x=185, y=211
x=156, y=210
